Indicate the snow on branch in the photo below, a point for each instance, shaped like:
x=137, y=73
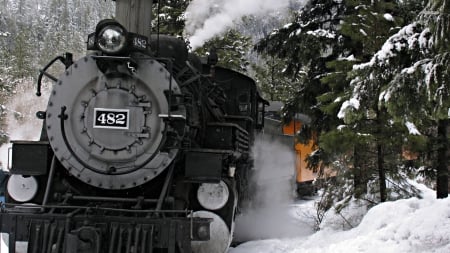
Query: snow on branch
x=350, y=104
x=412, y=129
x=408, y=38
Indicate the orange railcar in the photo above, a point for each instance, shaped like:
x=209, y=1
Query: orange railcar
x=302, y=151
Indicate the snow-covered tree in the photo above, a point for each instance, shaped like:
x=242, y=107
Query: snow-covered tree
x=378, y=140
x=33, y=32
x=305, y=45
x=170, y=17
x=415, y=66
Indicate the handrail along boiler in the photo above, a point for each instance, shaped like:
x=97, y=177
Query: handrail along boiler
x=144, y=148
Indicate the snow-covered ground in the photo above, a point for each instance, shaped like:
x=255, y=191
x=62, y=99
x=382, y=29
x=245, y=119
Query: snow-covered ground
x=409, y=225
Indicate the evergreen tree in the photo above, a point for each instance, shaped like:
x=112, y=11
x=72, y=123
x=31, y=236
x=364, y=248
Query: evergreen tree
x=33, y=32
x=269, y=74
x=169, y=16
x=232, y=49
x=305, y=45
x=320, y=48
x=417, y=93
x=378, y=156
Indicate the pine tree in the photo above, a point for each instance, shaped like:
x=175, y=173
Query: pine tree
x=232, y=48
x=305, y=45
x=33, y=32
x=169, y=17
x=370, y=27
x=269, y=74
x=418, y=92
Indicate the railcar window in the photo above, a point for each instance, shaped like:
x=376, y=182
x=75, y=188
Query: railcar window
x=244, y=103
x=260, y=113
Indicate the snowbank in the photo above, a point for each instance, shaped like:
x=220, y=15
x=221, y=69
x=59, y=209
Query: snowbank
x=410, y=225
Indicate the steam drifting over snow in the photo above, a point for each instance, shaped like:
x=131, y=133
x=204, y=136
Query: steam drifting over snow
x=408, y=225
x=208, y=18
x=270, y=215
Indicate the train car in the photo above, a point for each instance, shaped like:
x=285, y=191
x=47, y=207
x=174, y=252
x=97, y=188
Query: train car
x=144, y=148
x=284, y=132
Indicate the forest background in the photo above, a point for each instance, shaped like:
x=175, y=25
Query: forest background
x=373, y=76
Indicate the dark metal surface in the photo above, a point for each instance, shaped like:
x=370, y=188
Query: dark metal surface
x=31, y=158
x=81, y=232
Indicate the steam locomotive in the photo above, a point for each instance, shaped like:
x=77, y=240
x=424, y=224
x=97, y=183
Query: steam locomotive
x=144, y=148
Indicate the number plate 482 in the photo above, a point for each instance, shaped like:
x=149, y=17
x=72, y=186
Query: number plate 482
x=111, y=118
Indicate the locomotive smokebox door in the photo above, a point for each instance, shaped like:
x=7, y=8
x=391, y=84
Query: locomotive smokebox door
x=204, y=166
x=38, y=157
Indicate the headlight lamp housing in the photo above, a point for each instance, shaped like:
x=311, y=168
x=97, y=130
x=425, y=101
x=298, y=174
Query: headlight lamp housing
x=112, y=38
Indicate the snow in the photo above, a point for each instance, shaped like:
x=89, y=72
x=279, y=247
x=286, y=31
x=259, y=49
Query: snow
x=347, y=105
x=363, y=32
x=388, y=17
x=408, y=225
x=348, y=58
x=405, y=38
x=322, y=33
x=412, y=128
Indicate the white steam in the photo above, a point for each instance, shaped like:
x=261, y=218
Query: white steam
x=21, y=121
x=268, y=216
x=274, y=171
x=208, y=18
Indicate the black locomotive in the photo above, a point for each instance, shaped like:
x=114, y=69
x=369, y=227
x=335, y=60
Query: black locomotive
x=144, y=148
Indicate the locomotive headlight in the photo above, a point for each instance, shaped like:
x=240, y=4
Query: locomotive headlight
x=22, y=189
x=213, y=196
x=111, y=39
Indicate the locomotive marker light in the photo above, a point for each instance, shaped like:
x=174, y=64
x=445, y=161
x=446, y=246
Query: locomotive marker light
x=22, y=189
x=213, y=196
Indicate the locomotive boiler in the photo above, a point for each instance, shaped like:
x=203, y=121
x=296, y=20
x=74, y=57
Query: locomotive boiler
x=144, y=148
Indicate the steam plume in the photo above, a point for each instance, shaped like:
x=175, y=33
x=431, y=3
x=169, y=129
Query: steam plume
x=208, y=18
x=268, y=216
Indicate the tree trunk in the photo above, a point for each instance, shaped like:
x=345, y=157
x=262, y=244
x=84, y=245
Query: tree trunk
x=442, y=162
x=380, y=153
x=359, y=176
x=135, y=15
x=381, y=172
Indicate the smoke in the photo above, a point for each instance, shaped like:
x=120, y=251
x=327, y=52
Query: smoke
x=21, y=122
x=208, y=18
x=269, y=216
